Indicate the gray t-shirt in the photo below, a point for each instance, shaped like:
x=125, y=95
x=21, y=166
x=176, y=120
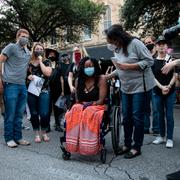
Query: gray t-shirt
x=15, y=67
x=132, y=80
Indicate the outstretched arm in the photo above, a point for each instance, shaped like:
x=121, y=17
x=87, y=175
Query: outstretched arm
x=169, y=66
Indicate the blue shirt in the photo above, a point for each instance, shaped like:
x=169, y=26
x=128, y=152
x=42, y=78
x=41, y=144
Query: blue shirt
x=15, y=67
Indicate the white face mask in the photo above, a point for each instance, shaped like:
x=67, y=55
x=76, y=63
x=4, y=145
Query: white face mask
x=111, y=47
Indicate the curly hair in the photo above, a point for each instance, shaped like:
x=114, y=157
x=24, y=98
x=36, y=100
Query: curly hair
x=81, y=76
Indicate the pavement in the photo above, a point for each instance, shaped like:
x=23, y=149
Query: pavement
x=44, y=161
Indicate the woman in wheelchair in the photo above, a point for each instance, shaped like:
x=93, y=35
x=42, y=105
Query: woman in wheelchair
x=84, y=118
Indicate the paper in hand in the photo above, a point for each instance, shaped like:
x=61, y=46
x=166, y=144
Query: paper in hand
x=35, y=85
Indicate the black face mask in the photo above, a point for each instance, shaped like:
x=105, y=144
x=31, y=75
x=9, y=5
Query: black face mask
x=38, y=53
x=150, y=46
x=52, y=58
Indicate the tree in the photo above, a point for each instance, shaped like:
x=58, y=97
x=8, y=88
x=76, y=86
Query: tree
x=150, y=17
x=43, y=17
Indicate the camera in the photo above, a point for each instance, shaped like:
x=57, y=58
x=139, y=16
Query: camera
x=172, y=32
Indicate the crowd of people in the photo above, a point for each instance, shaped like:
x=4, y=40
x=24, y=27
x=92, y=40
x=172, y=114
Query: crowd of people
x=37, y=80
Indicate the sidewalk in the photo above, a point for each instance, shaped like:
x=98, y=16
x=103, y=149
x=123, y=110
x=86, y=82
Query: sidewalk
x=177, y=106
x=44, y=161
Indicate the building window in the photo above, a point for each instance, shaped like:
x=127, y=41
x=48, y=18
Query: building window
x=87, y=33
x=107, y=18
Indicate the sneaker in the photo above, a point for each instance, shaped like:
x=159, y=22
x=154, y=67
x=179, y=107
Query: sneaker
x=159, y=140
x=11, y=144
x=169, y=143
x=23, y=142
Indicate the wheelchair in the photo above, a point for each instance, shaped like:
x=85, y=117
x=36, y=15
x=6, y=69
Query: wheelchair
x=111, y=122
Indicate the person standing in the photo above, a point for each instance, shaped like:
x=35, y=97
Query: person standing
x=150, y=44
x=1, y=91
x=65, y=68
x=16, y=57
x=165, y=93
x=56, y=85
x=133, y=63
x=168, y=67
x=78, y=53
x=65, y=65
x=39, y=104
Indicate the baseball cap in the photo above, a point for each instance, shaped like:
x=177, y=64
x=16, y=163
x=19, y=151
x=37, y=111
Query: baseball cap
x=161, y=39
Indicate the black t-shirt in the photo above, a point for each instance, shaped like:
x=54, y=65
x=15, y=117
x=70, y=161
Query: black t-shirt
x=65, y=68
x=92, y=95
x=36, y=70
x=163, y=79
x=55, y=80
x=74, y=70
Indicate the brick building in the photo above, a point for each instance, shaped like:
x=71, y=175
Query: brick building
x=95, y=42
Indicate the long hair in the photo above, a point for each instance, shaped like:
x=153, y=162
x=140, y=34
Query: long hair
x=81, y=76
x=116, y=33
x=82, y=51
x=33, y=48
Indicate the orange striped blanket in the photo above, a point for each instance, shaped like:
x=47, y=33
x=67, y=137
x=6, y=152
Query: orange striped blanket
x=83, y=129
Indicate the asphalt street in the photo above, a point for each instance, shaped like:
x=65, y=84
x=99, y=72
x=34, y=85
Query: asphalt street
x=44, y=161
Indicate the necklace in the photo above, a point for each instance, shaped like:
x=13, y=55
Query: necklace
x=88, y=89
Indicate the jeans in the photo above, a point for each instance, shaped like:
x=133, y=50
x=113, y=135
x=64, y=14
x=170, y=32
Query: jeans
x=165, y=106
x=155, y=122
x=147, y=121
x=147, y=115
x=15, y=98
x=39, y=109
x=133, y=110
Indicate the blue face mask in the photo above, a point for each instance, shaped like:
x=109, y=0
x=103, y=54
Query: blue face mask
x=89, y=71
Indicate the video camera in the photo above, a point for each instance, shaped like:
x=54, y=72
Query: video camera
x=172, y=32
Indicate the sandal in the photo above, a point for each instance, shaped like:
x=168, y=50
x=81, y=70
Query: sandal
x=45, y=138
x=37, y=139
x=132, y=153
x=122, y=150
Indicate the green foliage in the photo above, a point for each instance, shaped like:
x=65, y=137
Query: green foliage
x=151, y=17
x=43, y=17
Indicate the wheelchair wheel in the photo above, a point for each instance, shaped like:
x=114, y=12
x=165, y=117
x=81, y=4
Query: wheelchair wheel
x=66, y=155
x=116, y=128
x=103, y=155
